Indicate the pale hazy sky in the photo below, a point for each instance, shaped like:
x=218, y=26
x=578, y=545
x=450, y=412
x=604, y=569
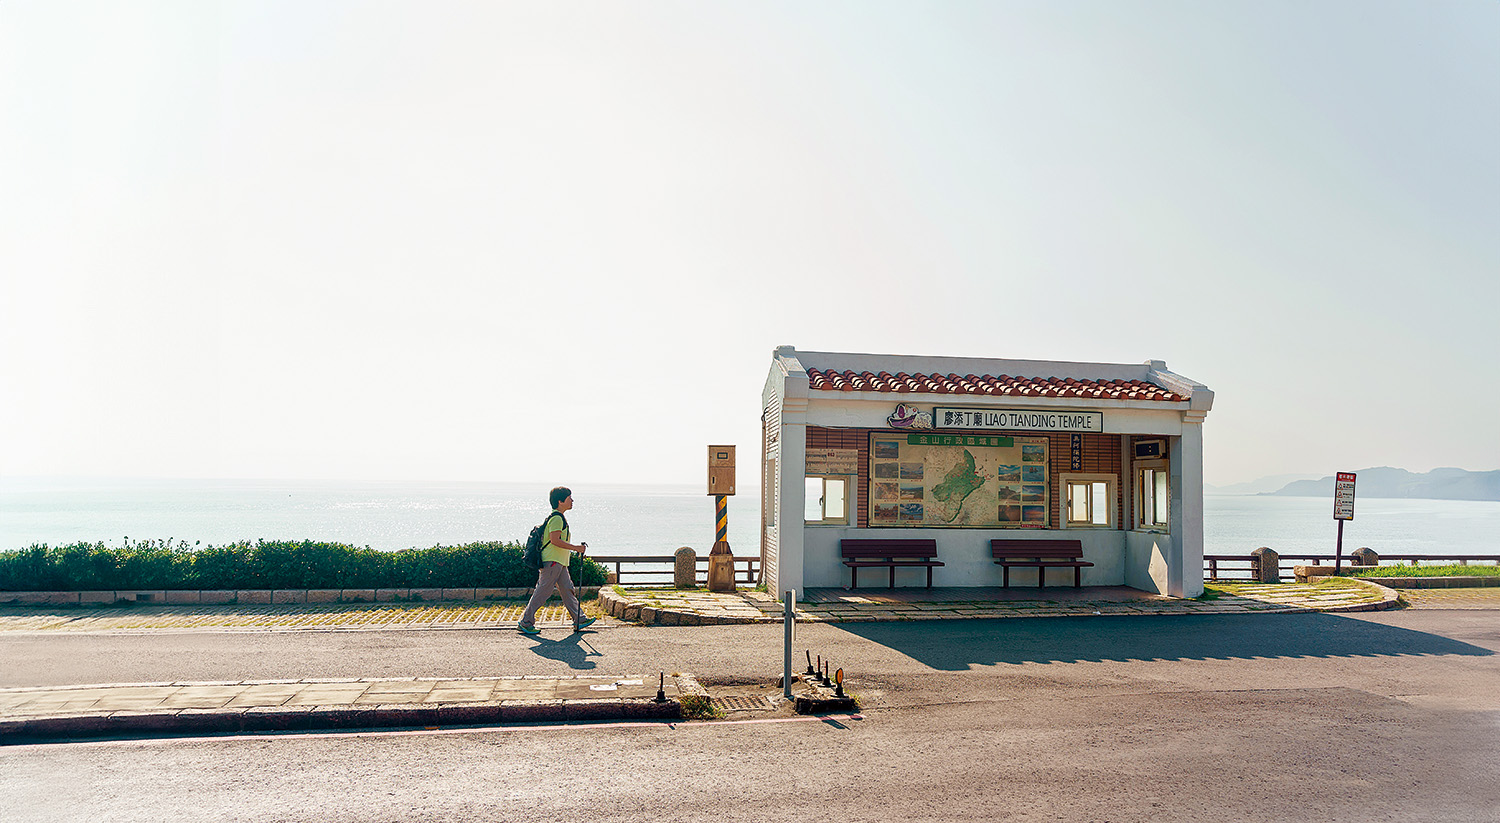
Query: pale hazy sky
x=557, y=242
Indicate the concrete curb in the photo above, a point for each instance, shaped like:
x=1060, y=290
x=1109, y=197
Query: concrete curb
x=1433, y=582
x=617, y=605
x=155, y=722
x=1389, y=598
x=268, y=597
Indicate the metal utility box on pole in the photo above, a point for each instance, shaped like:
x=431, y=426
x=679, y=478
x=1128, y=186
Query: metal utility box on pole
x=720, y=486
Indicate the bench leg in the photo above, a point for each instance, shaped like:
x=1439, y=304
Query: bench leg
x=1005, y=577
x=1041, y=577
x=1077, y=577
x=929, y=577
x=893, y=576
x=853, y=577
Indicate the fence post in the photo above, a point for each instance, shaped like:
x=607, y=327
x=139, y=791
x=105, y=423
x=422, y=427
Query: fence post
x=1364, y=556
x=1265, y=565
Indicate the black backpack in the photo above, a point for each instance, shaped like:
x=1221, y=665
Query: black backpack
x=533, y=555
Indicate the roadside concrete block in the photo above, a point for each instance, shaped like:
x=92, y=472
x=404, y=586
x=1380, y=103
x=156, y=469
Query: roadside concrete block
x=689, y=619
x=158, y=596
x=459, y=594
x=254, y=597
x=390, y=595
x=651, y=710
x=132, y=721
x=323, y=595
x=357, y=596
x=611, y=708
x=459, y=714
x=667, y=618
x=208, y=720
x=1364, y=556
x=530, y=711
x=289, y=596
x=426, y=595
x=184, y=597
x=216, y=597
x=40, y=598
x=491, y=594
x=631, y=612
x=648, y=614
x=95, y=598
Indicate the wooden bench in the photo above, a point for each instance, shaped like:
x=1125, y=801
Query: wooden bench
x=864, y=552
x=1040, y=555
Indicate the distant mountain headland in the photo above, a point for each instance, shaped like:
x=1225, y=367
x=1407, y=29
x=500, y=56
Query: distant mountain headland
x=1438, y=484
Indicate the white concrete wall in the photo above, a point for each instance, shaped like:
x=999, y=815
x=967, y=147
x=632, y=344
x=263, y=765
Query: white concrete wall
x=1146, y=561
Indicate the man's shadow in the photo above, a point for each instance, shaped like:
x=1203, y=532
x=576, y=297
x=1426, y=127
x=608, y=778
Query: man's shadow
x=574, y=650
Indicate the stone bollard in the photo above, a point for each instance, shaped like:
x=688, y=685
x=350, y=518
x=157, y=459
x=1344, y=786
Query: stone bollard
x=1265, y=565
x=685, y=571
x=1364, y=556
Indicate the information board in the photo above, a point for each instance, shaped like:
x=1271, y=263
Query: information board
x=958, y=480
x=1343, y=496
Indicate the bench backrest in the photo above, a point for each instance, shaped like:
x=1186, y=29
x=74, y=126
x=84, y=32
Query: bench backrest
x=868, y=547
x=1050, y=549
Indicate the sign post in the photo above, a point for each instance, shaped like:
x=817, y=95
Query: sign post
x=1343, y=509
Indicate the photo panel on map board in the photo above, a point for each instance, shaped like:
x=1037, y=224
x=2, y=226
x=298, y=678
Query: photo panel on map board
x=1008, y=474
x=1010, y=514
x=1034, y=453
x=1031, y=515
x=886, y=491
x=909, y=492
x=883, y=513
x=1034, y=474
x=888, y=471
x=1034, y=494
x=1009, y=493
x=912, y=512
x=911, y=471
x=886, y=450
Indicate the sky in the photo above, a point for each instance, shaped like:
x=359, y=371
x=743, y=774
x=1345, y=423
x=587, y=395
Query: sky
x=558, y=242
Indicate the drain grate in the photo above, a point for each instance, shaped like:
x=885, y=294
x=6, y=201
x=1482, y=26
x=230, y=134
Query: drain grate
x=743, y=703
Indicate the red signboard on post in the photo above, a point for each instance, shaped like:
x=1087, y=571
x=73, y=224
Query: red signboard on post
x=1343, y=496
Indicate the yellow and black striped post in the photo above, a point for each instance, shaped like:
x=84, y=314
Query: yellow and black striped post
x=721, y=559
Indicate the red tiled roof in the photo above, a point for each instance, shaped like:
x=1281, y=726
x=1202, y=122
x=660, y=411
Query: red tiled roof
x=1004, y=385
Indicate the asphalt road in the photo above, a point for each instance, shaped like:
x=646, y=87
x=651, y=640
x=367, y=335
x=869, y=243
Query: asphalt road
x=1386, y=716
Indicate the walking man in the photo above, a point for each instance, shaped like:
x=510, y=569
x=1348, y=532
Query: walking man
x=556, y=553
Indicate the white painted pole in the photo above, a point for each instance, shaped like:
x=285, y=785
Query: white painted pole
x=788, y=619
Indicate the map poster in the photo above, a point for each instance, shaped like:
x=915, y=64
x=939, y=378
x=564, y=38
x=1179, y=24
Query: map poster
x=958, y=480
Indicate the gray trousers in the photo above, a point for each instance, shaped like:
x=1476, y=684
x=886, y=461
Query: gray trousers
x=552, y=575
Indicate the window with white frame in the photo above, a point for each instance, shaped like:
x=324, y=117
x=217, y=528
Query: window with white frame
x=827, y=500
x=1088, y=501
x=1152, y=493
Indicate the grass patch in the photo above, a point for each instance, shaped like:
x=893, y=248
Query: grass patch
x=1427, y=571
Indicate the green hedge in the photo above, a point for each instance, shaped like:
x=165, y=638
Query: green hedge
x=271, y=564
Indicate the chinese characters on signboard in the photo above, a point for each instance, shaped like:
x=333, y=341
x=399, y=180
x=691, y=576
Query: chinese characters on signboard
x=1343, y=496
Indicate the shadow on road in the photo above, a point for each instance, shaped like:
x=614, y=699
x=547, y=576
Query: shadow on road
x=959, y=645
x=574, y=650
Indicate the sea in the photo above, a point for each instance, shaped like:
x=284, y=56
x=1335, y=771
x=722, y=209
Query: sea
x=614, y=519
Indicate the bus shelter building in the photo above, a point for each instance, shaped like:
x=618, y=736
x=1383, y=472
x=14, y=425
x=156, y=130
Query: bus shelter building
x=964, y=450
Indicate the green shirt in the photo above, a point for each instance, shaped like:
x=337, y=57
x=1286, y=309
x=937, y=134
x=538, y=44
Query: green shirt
x=554, y=554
